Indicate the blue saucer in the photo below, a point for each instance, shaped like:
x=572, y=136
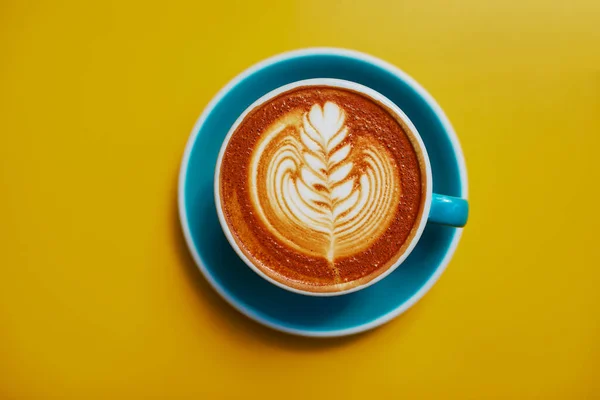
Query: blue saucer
x=265, y=302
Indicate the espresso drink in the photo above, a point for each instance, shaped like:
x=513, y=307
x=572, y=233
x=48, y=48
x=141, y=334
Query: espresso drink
x=322, y=188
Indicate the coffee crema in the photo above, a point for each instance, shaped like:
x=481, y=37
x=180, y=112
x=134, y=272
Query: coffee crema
x=322, y=188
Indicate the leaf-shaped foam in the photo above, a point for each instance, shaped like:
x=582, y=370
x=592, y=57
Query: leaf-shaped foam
x=345, y=205
x=327, y=121
x=340, y=155
x=358, y=204
x=303, y=210
x=337, y=139
x=310, y=178
x=308, y=194
x=311, y=132
x=308, y=142
x=315, y=163
x=340, y=173
x=342, y=191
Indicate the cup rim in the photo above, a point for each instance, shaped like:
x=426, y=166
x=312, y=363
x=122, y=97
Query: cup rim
x=415, y=139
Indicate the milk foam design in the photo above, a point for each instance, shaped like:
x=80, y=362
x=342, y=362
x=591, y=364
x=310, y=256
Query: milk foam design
x=321, y=189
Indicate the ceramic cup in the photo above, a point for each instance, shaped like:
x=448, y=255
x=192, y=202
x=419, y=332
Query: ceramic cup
x=437, y=208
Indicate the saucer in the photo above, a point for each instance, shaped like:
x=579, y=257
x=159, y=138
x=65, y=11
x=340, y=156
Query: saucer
x=254, y=296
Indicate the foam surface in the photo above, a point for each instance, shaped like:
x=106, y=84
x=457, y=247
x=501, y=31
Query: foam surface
x=321, y=187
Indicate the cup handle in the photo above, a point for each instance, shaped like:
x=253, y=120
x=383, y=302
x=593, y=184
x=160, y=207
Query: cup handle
x=448, y=210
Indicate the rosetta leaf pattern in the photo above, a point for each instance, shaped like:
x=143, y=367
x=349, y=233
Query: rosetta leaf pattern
x=320, y=188
x=327, y=165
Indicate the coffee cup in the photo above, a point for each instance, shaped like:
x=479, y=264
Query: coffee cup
x=268, y=226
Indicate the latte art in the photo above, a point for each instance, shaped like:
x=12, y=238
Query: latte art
x=318, y=189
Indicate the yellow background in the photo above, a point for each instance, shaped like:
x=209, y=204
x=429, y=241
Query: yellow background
x=99, y=297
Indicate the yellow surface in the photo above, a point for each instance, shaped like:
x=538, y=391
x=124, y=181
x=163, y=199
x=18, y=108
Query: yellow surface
x=99, y=297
